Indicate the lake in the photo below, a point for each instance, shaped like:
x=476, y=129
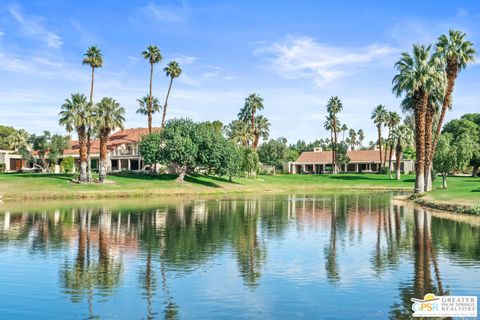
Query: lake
x=297, y=256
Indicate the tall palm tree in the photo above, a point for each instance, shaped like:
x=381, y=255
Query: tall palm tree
x=334, y=106
x=379, y=117
x=253, y=103
x=240, y=132
x=74, y=115
x=328, y=125
x=352, y=138
x=392, y=121
x=361, y=137
x=262, y=130
x=344, y=129
x=173, y=71
x=418, y=75
x=457, y=52
x=93, y=58
x=153, y=55
x=402, y=137
x=143, y=105
x=110, y=115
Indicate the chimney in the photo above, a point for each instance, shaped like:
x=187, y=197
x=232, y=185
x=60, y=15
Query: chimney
x=317, y=149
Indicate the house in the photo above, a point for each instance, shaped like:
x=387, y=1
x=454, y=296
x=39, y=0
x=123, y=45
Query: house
x=122, y=150
x=319, y=161
x=12, y=161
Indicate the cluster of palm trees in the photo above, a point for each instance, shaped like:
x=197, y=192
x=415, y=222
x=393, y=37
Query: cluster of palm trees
x=426, y=78
x=249, y=128
x=91, y=120
x=334, y=107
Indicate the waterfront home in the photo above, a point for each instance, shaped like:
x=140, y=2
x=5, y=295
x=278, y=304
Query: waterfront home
x=319, y=161
x=11, y=161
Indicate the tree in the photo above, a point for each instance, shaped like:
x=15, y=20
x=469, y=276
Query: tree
x=344, y=129
x=250, y=162
x=149, y=149
x=153, y=55
x=5, y=136
x=93, y=58
x=392, y=121
x=172, y=70
x=361, y=137
x=458, y=53
x=74, y=116
x=239, y=132
x=253, y=103
x=402, y=137
x=110, y=115
x=341, y=154
x=334, y=106
x=67, y=164
x=273, y=152
x=231, y=161
x=262, y=130
x=48, y=148
x=58, y=144
x=352, y=138
x=143, y=105
x=379, y=117
x=18, y=140
x=452, y=154
x=417, y=76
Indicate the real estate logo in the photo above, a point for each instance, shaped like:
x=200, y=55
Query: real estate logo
x=445, y=306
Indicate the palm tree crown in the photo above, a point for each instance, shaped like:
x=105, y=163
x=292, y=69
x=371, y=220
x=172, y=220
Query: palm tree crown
x=253, y=103
x=173, y=69
x=75, y=112
x=143, y=105
x=109, y=114
x=455, y=49
x=152, y=54
x=392, y=119
x=334, y=105
x=403, y=136
x=379, y=115
x=93, y=57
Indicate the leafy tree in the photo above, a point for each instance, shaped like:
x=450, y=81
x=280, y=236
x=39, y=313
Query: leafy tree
x=149, y=149
x=231, y=161
x=341, y=154
x=110, y=115
x=172, y=70
x=251, y=161
x=67, y=164
x=58, y=144
x=153, y=55
x=5, y=136
x=48, y=148
x=273, y=152
x=452, y=154
x=217, y=126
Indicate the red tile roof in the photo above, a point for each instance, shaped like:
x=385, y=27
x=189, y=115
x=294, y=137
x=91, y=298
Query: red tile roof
x=355, y=156
x=116, y=139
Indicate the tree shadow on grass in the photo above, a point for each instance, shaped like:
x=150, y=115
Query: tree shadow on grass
x=146, y=177
x=356, y=178
x=222, y=179
x=196, y=180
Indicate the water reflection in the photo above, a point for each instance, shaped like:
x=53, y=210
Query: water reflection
x=99, y=248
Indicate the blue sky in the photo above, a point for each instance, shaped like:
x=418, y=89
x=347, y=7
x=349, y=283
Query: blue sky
x=296, y=54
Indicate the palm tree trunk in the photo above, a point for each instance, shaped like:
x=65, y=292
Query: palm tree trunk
x=256, y=141
x=390, y=157
x=452, y=72
x=164, y=115
x=380, y=145
x=333, y=152
x=89, y=131
x=428, y=147
x=421, y=104
x=103, y=156
x=335, y=171
x=83, y=155
x=398, y=155
x=150, y=101
x=386, y=145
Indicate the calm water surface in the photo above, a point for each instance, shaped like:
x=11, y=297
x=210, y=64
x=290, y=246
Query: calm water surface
x=290, y=257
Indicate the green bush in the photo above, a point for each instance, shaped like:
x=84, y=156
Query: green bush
x=2, y=167
x=67, y=165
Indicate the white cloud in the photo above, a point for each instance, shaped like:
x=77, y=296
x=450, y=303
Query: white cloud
x=1, y=33
x=34, y=27
x=184, y=59
x=303, y=57
x=164, y=14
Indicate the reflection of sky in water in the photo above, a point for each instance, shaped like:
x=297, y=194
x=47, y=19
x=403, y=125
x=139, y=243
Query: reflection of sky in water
x=259, y=258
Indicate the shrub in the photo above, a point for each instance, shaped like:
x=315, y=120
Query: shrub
x=2, y=167
x=67, y=164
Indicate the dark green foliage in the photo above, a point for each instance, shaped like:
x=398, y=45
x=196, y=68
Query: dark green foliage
x=251, y=163
x=5, y=134
x=67, y=165
x=274, y=152
x=341, y=153
x=149, y=148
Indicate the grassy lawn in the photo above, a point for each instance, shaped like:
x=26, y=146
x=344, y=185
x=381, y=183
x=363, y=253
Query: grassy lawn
x=51, y=186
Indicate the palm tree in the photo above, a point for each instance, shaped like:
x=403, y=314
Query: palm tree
x=418, y=75
x=143, y=105
x=344, y=129
x=392, y=121
x=240, y=132
x=361, y=137
x=457, y=52
x=402, y=137
x=153, y=55
x=334, y=106
x=328, y=125
x=19, y=140
x=74, y=116
x=173, y=71
x=262, y=130
x=352, y=138
x=93, y=58
x=110, y=115
x=379, y=117
x=253, y=103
